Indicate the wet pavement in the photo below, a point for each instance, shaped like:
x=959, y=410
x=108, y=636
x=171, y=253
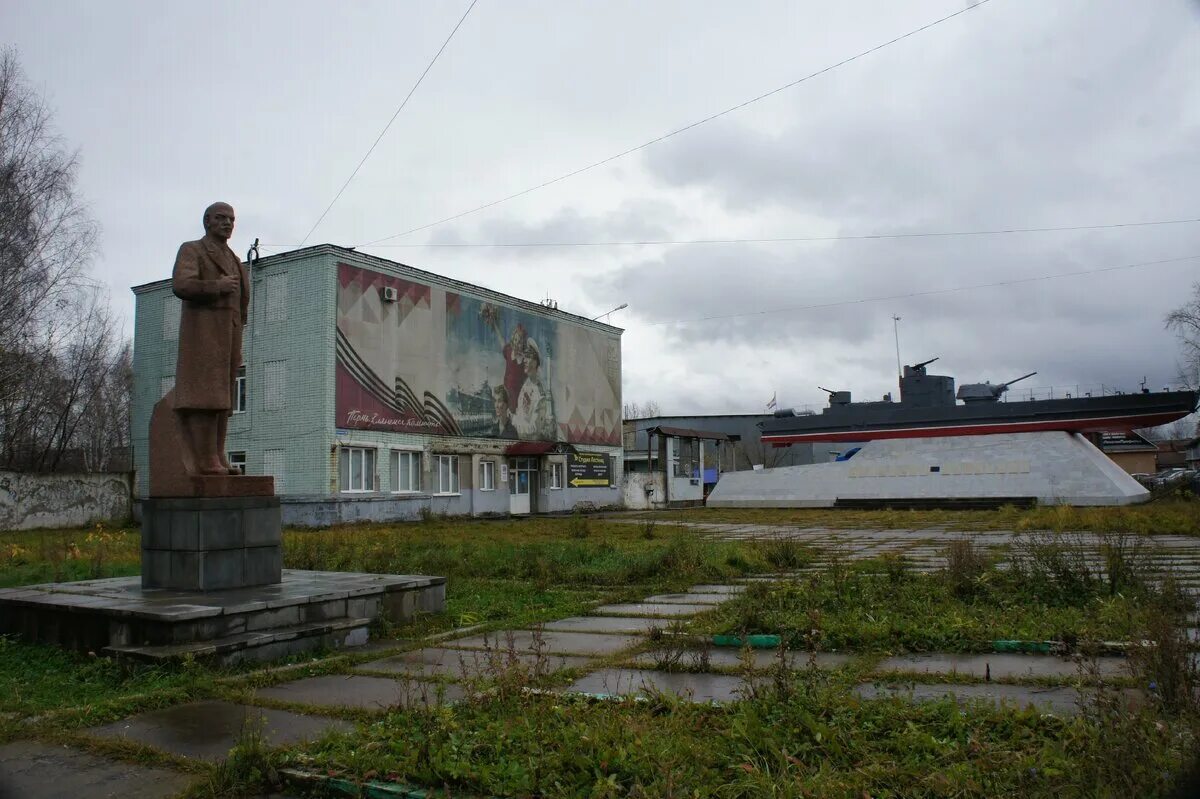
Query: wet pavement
x=729, y=658
x=33, y=770
x=362, y=692
x=629, y=682
x=559, y=643
x=609, y=624
x=999, y=666
x=208, y=730
x=469, y=664
x=1060, y=701
x=652, y=609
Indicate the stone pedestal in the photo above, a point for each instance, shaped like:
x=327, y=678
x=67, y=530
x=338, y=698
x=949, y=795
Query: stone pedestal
x=211, y=543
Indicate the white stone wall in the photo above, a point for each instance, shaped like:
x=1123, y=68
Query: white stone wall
x=32, y=500
x=1056, y=468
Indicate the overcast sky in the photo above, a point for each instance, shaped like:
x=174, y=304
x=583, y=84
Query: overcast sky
x=1016, y=114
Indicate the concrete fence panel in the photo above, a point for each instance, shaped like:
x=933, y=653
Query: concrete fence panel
x=31, y=500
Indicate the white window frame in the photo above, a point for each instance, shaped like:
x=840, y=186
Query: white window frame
x=451, y=462
x=557, y=469
x=414, y=470
x=237, y=458
x=241, y=392
x=487, y=475
x=275, y=374
x=365, y=475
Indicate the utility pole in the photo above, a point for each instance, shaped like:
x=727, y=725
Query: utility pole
x=896, y=330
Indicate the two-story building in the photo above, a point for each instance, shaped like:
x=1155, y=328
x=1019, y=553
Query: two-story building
x=373, y=390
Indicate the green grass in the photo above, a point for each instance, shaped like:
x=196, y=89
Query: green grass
x=814, y=739
x=35, y=679
x=860, y=608
x=1176, y=516
x=805, y=735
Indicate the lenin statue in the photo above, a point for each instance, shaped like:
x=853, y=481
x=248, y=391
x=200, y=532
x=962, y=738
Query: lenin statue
x=215, y=290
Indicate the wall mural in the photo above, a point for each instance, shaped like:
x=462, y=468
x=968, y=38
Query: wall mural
x=435, y=361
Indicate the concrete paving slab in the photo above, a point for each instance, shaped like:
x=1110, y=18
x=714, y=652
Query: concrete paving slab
x=1000, y=665
x=1061, y=701
x=32, y=770
x=712, y=588
x=631, y=682
x=651, y=609
x=557, y=642
x=610, y=624
x=729, y=658
x=468, y=664
x=208, y=730
x=688, y=598
x=358, y=691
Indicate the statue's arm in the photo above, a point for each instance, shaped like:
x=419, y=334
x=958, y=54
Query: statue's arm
x=186, y=281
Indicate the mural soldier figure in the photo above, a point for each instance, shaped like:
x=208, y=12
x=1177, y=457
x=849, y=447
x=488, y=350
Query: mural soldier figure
x=215, y=290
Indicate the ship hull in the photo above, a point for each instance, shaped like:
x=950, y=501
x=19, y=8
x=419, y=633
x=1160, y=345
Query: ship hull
x=1117, y=413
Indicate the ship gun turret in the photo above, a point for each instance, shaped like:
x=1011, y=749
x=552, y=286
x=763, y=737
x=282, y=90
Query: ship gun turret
x=836, y=397
x=986, y=392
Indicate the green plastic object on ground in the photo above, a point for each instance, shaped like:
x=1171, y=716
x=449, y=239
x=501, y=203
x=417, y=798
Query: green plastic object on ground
x=752, y=641
x=1041, y=647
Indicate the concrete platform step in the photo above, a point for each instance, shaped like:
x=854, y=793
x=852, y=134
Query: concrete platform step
x=260, y=645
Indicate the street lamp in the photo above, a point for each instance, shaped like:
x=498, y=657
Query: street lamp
x=622, y=306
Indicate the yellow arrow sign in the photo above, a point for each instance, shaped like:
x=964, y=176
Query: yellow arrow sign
x=589, y=481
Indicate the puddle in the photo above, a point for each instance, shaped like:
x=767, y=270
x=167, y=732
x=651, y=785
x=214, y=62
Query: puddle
x=208, y=730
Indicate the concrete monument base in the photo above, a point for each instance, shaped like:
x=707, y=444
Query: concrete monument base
x=307, y=610
x=1051, y=468
x=206, y=544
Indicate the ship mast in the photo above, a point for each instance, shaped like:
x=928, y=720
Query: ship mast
x=896, y=330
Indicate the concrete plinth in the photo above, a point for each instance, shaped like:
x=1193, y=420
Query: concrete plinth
x=207, y=544
x=307, y=610
x=1051, y=468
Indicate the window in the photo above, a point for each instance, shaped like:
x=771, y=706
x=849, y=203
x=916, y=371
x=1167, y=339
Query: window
x=487, y=475
x=277, y=297
x=276, y=390
x=165, y=384
x=273, y=465
x=239, y=391
x=406, y=471
x=446, y=469
x=356, y=469
x=171, y=310
x=556, y=475
x=237, y=459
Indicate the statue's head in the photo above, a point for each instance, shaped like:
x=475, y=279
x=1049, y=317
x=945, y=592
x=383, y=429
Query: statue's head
x=218, y=220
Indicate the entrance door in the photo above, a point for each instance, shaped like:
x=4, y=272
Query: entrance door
x=522, y=485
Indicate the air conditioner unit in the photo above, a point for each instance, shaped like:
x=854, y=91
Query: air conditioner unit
x=389, y=293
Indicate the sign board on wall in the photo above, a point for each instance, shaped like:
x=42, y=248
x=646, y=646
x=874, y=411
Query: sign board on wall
x=589, y=470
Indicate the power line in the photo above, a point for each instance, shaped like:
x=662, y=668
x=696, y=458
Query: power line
x=378, y=138
x=687, y=127
x=931, y=292
x=779, y=240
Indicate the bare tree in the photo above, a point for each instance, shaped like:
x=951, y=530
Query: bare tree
x=58, y=347
x=1184, y=321
x=645, y=410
